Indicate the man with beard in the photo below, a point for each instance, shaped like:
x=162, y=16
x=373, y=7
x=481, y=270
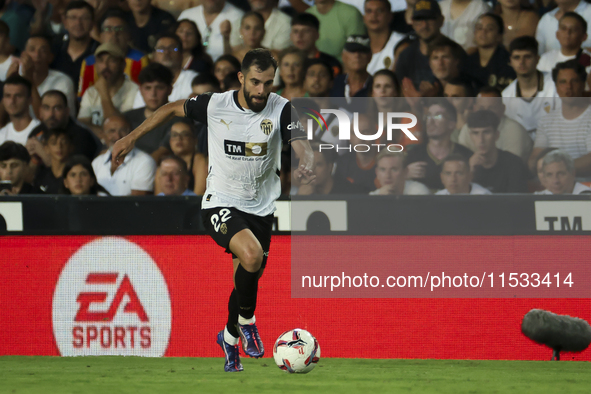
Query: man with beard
x=245, y=130
x=112, y=94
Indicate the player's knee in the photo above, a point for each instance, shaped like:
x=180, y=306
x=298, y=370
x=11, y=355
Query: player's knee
x=252, y=259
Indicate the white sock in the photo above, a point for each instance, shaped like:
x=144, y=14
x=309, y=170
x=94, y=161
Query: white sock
x=244, y=321
x=229, y=339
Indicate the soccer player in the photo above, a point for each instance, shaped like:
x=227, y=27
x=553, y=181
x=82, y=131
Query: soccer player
x=245, y=130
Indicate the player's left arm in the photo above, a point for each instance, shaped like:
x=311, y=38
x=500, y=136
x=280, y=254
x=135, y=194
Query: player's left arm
x=293, y=133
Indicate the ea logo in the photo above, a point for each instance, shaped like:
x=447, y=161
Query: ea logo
x=111, y=299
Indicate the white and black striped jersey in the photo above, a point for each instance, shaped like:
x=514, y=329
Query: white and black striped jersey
x=244, y=149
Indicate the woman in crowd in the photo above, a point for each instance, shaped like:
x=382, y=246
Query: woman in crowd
x=225, y=65
x=194, y=55
x=79, y=178
x=252, y=31
x=519, y=18
x=291, y=71
x=183, y=143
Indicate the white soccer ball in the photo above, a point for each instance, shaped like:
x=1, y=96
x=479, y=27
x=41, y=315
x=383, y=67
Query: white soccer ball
x=296, y=351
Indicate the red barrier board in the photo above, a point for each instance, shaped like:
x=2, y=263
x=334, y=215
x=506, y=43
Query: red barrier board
x=167, y=295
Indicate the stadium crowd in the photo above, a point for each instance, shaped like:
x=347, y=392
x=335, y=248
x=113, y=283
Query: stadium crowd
x=500, y=90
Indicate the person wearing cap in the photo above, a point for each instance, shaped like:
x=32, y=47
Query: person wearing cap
x=382, y=41
x=356, y=57
x=413, y=62
x=337, y=22
x=112, y=93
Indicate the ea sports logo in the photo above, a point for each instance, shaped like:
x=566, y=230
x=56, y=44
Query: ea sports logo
x=111, y=299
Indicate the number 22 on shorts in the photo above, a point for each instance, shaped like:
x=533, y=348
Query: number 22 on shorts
x=217, y=220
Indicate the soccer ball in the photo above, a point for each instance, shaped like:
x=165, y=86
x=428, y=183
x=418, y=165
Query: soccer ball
x=296, y=351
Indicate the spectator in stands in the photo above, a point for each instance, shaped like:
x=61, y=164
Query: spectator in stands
x=155, y=88
x=401, y=46
x=6, y=51
x=519, y=20
x=291, y=71
x=77, y=44
x=530, y=83
x=377, y=19
x=79, y=178
x=59, y=147
x=425, y=160
x=568, y=127
x=459, y=92
x=513, y=137
x=168, y=52
x=277, y=24
x=318, y=78
x=173, y=177
x=324, y=183
x=54, y=113
x=225, y=65
x=183, y=143
x=402, y=20
x=460, y=18
x=216, y=19
x=16, y=100
x=115, y=31
x=146, y=23
x=35, y=61
x=252, y=31
x=456, y=177
x=135, y=176
x=338, y=21
x=445, y=57
x=14, y=162
x=304, y=34
x=548, y=26
x=539, y=169
x=489, y=64
x=194, y=56
x=497, y=170
x=559, y=175
x=357, y=81
x=231, y=82
x=357, y=166
x=204, y=83
x=391, y=174
x=413, y=62
x=112, y=93
x=572, y=32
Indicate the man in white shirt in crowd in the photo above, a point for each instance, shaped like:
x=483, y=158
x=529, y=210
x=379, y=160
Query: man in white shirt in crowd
x=174, y=177
x=168, y=51
x=209, y=18
x=548, y=25
x=568, y=127
x=513, y=137
x=457, y=177
x=536, y=89
x=277, y=24
x=135, y=176
x=460, y=18
x=16, y=101
x=559, y=175
x=571, y=33
x=112, y=94
x=35, y=61
x=377, y=19
x=391, y=174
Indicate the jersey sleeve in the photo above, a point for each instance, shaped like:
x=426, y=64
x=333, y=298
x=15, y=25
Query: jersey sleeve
x=291, y=130
x=196, y=107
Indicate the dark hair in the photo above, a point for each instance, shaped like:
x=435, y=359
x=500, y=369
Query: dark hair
x=306, y=19
x=579, y=18
x=385, y=2
x=445, y=104
x=466, y=84
x=483, y=119
x=230, y=59
x=198, y=51
x=56, y=131
x=490, y=89
x=260, y=58
x=456, y=157
x=171, y=36
x=230, y=79
x=182, y=164
x=255, y=14
x=78, y=5
x=56, y=93
x=206, y=79
x=4, y=29
x=312, y=62
x=188, y=122
x=498, y=20
x=13, y=150
x=114, y=13
x=390, y=74
x=16, y=79
x=570, y=65
x=524, y=43
x=329, y=155
x=43, y=37
x=155, y=72
x=84, y=162
x=443, y=42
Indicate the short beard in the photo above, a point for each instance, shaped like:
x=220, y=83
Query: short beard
x=254, y=107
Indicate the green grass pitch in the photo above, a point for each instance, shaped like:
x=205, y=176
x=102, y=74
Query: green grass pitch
x=91, y=375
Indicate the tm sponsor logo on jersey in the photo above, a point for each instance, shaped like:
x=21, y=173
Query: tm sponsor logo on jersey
x=393, y=122
x=111, y=299
x=247, y=149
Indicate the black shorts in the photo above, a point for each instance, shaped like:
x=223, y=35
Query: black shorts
x=223, y=223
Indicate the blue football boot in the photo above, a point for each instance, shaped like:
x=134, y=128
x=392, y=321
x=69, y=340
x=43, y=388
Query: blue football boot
x=232, y=354
x=251, y=340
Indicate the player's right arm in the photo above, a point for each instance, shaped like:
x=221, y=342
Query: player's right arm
x=162, y=115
